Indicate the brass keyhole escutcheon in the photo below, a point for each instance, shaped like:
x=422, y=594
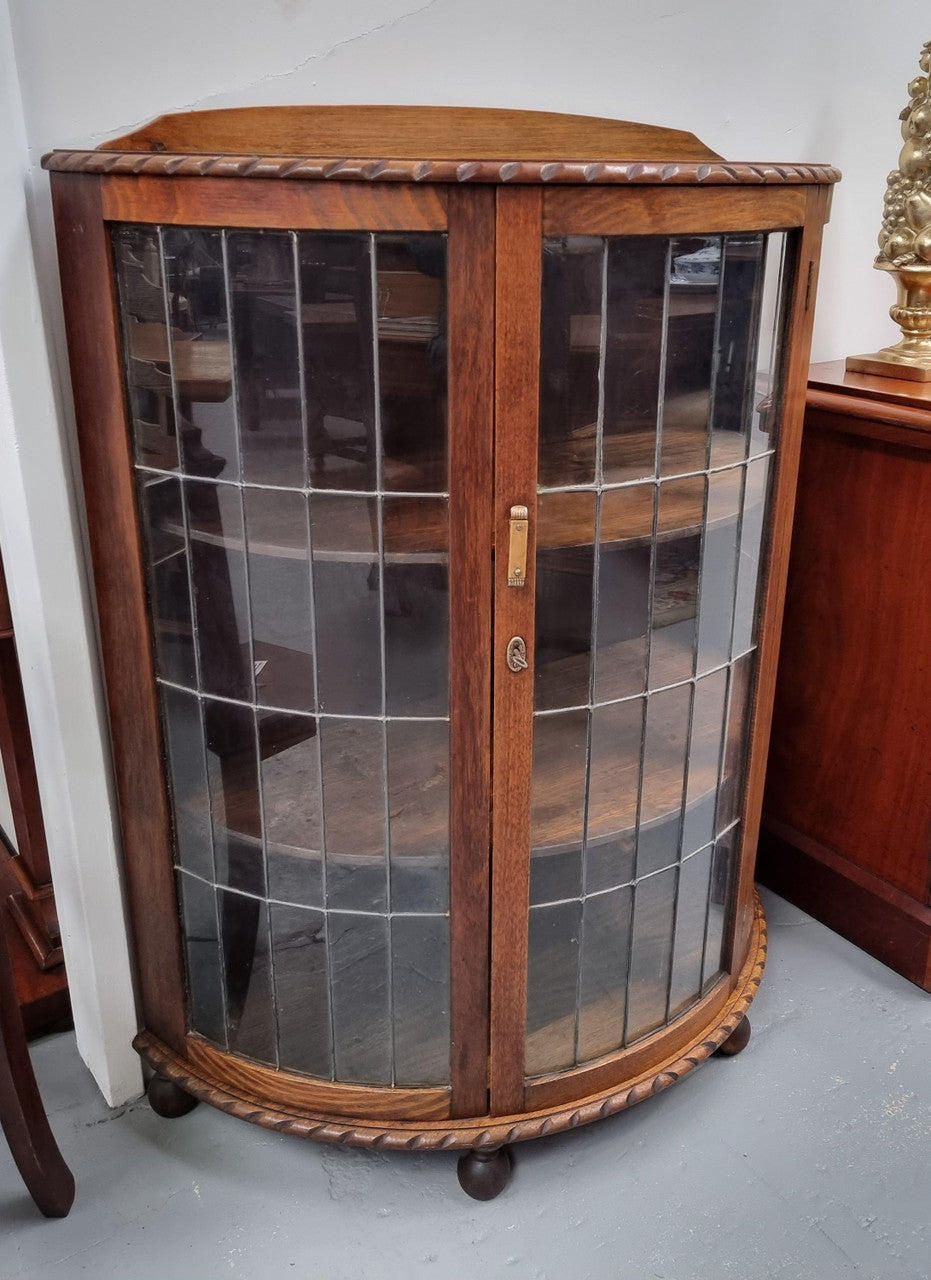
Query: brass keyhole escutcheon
x=517, y=653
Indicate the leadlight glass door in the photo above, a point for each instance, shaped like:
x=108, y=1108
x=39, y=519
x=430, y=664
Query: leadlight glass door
x=291, y=396
x=657, y=408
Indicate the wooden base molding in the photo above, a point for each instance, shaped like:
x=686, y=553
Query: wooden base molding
x=852, y=901
x=220, y=1081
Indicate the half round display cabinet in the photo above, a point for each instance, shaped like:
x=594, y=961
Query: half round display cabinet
x=439, y=469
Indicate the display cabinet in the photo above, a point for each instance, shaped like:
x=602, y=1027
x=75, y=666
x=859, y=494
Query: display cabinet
x=439, y=470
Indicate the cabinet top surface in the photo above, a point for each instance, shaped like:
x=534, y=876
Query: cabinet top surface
x=432, y=144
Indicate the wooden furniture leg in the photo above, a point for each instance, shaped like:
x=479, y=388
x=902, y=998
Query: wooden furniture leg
x=48, y=1178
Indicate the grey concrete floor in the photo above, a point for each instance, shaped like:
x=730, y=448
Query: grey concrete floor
x=808, y=1156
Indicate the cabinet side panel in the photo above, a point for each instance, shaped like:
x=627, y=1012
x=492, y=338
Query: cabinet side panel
x=93, y=344
x=471, y=395
x=854, y=686
x=797, y=347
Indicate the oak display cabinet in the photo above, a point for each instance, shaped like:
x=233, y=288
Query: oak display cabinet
x=439, y=470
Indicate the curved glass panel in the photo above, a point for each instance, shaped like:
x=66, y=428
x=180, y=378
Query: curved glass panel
x=659, y=400
x=287, y=401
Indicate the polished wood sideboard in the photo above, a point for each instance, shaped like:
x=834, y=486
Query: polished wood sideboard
x=847, y=812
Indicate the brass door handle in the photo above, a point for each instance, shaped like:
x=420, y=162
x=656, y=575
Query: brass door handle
x=517, y=548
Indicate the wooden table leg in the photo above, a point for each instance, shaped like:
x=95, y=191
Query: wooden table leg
x=22, y=1115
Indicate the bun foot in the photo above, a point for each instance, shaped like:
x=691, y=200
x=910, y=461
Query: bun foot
x=737, y=1040
x=168, y=1099
x=484, y=1174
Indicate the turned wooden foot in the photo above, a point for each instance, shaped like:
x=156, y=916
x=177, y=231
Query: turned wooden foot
x=484, y=1174
x=168, y=1099
x=737, y=1040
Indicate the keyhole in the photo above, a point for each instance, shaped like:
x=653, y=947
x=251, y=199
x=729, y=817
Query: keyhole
x=517, y=654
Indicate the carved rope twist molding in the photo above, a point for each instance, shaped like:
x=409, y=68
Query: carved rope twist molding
x=557, y=1120
x=307, y=168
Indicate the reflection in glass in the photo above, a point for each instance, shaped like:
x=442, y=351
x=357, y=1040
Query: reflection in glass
x=165, y=544
x=279, y=598
x=336, y=316
x=418, y=814
x=564, y=588
x=301, y=997
x=411, y=292
x=557, y=805
x=145, y=345
x=617, y=732
x=233, y=779
x=603, y=976
x=347, y=603
x=420, y=998
x=722, y=875
x=354, y=813
x=626, y=530
x=201, y=361
x=637, y=272
x=648, y=555
x=263, y=306
x=552, y=984
x=302, y=640
x=662, y=778
x=570, y=357
x=730, y=790
x=692, y=908
x=705, y=741
x=200, y=927
x=766, y=406
x=651, y=953
x=755, y=510
x=221, y=598
x=359, y=981
x=676, y=562
x=718, y=564
x=416, y=606
x=290, y=772
x=738, y=341
x=184, y=740
x=250, y=1008
x=690, y=347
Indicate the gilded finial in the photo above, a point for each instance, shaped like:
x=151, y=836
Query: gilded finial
x=905, y=241
x=905, y=237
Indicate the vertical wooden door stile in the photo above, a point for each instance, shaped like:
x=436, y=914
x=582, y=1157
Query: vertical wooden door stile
x=517, y=379
x=88, y=292
x=471, y=268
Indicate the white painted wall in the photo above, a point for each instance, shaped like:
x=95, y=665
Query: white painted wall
x=795, y=80
x=55, y=642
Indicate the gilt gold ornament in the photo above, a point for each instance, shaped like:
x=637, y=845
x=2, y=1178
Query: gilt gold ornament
x=905, y=242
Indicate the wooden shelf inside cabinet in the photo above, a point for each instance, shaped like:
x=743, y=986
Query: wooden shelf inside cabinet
x=629, y=454
x=392, y=327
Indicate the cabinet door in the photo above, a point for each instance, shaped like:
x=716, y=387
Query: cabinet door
x=640, y=363
x=308, y=383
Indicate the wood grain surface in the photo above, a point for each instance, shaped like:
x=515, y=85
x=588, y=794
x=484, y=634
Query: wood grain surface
x=191, y=202
x=517, y=392
x=88, y=293
x=471, y=396
x=412, y=133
